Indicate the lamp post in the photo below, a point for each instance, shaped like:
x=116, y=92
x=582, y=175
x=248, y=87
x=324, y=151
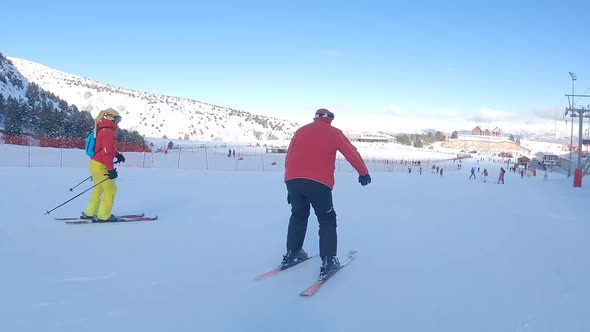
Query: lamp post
x=572, y=104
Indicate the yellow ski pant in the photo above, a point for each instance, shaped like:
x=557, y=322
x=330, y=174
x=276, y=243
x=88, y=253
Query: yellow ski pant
x=101, y=208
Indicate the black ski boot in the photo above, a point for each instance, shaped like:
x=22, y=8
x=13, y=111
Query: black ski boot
x=87, y=217
x=293, y=257
x=330, y=264
x=110, y=219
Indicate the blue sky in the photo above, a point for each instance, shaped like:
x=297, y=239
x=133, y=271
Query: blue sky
x=366, y=60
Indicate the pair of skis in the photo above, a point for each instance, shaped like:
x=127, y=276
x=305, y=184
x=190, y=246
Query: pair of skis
x=121, y=218
x=311, y=290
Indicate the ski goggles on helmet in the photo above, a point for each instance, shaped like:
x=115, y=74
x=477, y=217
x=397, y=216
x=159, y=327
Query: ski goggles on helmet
x=113, y=117
x=324, y=115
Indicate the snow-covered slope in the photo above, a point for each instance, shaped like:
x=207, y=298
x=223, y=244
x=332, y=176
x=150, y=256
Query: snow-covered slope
x=12, y=83
x=156, y=115
x=435, y=254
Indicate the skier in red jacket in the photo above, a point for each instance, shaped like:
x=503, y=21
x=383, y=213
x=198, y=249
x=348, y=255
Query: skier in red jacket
x=102, y=167
x=309, y=176
x=485, y=175
x=502, y=172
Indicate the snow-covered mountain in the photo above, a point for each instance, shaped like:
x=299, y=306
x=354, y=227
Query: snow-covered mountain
x=27, y=109
x=154, y=115
x=11, y=82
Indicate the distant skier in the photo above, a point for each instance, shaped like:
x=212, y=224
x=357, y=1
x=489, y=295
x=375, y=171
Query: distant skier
x=229, y=153
x=485, y=175
x=472, y=173
x=441, y=172
x=233, y=152
x=545, y=176
x=309, y=176
x=102, y=167
x=410, y=169
x=501, y=178
x=420, y=170
x=522, y=173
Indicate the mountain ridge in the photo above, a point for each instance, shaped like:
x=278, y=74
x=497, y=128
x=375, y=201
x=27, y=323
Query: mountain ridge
x=156, y=115
x=162, y=116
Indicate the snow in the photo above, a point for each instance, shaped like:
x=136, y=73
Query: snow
x=554, y=148
x=153, y=115
x=7, y=89
x=435, y=254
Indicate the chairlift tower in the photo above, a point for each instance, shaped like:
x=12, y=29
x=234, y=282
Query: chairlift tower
x=581, y=113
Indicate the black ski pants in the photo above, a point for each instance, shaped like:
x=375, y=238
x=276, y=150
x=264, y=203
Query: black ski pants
x=302, y=193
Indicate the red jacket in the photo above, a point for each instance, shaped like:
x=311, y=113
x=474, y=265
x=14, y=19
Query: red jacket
x=312, y=153
x=105, y=148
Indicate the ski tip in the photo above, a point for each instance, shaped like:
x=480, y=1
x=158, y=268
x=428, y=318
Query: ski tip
x=312, y=289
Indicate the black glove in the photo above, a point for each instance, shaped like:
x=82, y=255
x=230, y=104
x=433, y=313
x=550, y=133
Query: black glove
x=364, y=179
x=113, y=174
x=288, y=199
x=120, y=158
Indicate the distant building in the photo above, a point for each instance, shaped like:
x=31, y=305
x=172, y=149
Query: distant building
x=497, y=132
x=370, y=137
x=523, y=160
x=506, y=154
x=274, y=149
x=477, y=131
x=547, y=158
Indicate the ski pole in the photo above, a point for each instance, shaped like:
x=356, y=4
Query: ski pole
x=72, y=189
x=69, y=200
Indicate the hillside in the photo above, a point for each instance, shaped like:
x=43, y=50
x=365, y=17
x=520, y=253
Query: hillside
x=154, y=115
x=28, y=110
x=478, y=145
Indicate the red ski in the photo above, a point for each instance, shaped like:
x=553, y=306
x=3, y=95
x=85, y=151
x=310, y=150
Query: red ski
x=122, y=216
x=280, y=269
x=318, y=284
x=121, y=219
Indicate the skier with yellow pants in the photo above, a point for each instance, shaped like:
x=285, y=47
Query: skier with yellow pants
x=102, y=167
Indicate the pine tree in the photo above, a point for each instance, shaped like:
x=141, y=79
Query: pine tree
x=26, y=116
x=58, y=128
x=62, y=104
x=2, y=108
x=82, y=124
x=33, y=94
x=45, y=118
x=13, y=120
